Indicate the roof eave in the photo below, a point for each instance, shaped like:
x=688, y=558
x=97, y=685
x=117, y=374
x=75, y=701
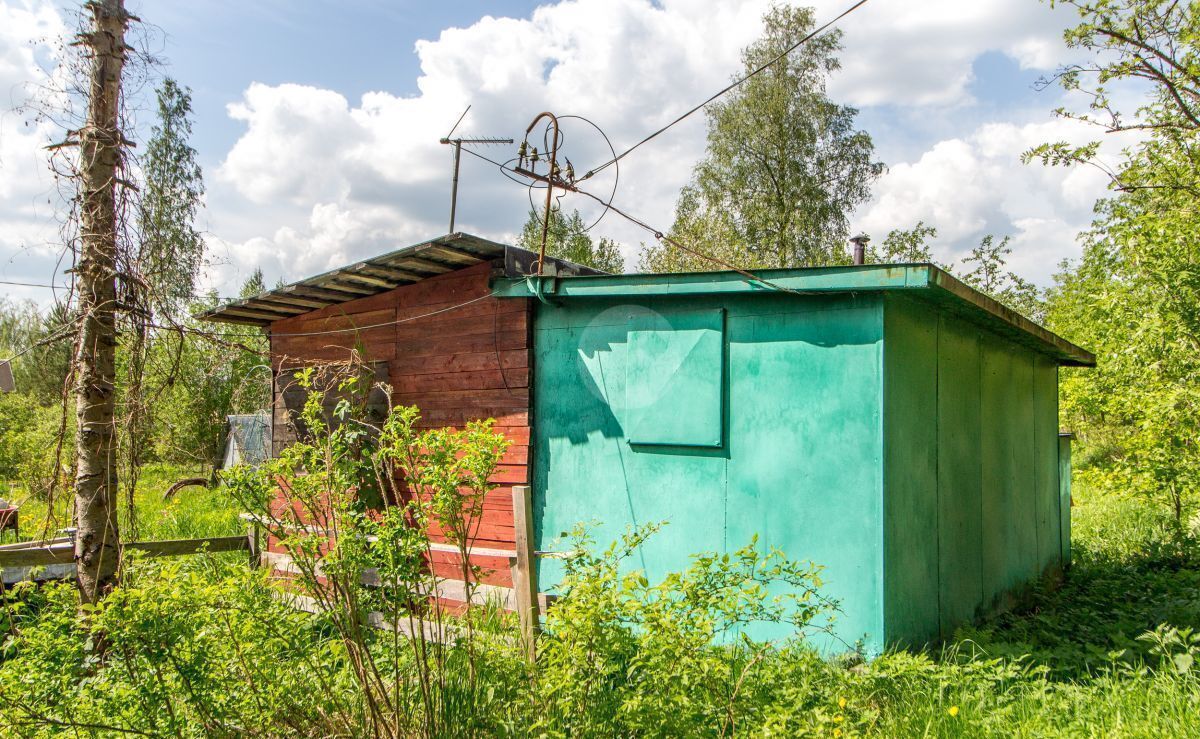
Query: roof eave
x=405, y=266
x=921, y=280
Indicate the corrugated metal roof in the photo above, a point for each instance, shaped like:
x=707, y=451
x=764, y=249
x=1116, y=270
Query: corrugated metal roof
x=920, y=280
x=380, y=274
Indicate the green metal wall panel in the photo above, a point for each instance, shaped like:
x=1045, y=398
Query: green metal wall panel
x=959, y=490
x=675, y=379
x=804, y=449
x=997, y=540
x=1045, y=431
x=903, y=448
x=910, y=472
x=993, y=489
x=1020, y=430
x=800, y=466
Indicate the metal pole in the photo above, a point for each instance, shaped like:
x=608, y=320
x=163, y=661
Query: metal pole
x=860, y=248
x=457, y=143
x=549, y=180
x=454, y=185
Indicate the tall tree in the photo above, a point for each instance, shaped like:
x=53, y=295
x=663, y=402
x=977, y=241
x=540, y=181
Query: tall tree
x=568, y=239
x=1134, y=297
x=171, y=249
x=167, y=260
x=97, y=542
x=907, y=246
x=989, y=273
x=784, y=165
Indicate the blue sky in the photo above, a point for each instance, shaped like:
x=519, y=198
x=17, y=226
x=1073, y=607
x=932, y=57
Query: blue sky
x=317, y=123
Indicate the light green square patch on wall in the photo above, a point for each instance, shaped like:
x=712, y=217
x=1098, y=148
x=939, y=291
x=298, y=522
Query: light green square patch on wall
x=674, y=379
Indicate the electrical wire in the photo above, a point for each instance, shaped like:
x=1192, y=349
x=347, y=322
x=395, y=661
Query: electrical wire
x=34, y=284
x=690, y=250
x=726, y=89
x=63, y=332
x=201, y=296
x=663, y=237
x=616, y=170
x=354, y=329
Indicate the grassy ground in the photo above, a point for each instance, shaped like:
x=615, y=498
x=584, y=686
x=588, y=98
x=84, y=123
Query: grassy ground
x=1109, y=653
x=1071, y=662
x=192, y=512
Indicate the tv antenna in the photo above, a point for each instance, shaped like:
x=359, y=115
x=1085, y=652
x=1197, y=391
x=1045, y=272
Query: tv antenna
x=457, y=144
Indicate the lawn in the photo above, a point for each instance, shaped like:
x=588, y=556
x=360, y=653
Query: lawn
x=192, y=512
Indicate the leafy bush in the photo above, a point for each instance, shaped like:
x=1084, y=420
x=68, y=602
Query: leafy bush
x=28, y=441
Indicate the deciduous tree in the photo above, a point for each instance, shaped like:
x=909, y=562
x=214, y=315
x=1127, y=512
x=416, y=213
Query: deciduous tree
x=568, y=239
x=784, y=166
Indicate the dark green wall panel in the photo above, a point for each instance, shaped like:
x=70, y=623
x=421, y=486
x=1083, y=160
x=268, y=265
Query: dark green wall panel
x=910, y=471
x=959, y=490
x=1045, y=408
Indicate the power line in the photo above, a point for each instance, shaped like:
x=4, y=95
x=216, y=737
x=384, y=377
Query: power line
x=727, y=88
x=34, y=284
x=657, y=234
x=203, y=296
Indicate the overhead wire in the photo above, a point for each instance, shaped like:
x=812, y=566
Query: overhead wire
x=726, y=89
x=662, y=236
x=354, y=329
x=202, y=296
x=616, y=158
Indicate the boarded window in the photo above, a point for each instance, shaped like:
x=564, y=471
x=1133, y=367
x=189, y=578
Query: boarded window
x=290, y=398
x=674, y=379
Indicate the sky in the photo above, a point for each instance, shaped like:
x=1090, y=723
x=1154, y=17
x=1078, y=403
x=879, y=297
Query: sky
x=317, y=125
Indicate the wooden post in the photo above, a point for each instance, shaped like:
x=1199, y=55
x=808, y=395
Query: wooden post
x=524, y=571
x=255, y=544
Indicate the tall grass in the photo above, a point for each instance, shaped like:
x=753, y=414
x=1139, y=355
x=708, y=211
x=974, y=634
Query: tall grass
x=193, y=512
x=203, y=647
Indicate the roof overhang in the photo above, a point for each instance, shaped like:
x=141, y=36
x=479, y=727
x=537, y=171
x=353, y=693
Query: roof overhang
x=380, y=274
x=923, y=281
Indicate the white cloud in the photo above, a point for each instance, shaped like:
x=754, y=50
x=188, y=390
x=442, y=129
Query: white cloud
x=317, y=179
x=974, y=185
x=631, y=66
x=921, y=53
x=28, y=230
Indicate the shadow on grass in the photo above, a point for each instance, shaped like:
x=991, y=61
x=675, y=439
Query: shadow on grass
x=1126, y=580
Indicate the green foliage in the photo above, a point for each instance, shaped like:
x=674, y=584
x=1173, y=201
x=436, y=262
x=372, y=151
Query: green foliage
x=905, y=246
x=1134, y=297
x=171, y=249
x=45, y=337
x=201, y=647
x=623, y=657
x=567, y=238
x=784, y=165
x=204, y=377
x=28, y=436
x=988, y=275
x=191, y=513
x=1145, y=45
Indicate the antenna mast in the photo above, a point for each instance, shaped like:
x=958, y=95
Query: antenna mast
x=457, y=144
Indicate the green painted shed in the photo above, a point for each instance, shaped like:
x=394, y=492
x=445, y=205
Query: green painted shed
x=887, y=422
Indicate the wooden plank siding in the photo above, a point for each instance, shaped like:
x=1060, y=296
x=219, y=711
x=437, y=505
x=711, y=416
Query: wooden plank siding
x=447, y=346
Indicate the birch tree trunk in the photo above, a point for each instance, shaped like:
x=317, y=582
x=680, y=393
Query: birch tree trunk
x=97, y=542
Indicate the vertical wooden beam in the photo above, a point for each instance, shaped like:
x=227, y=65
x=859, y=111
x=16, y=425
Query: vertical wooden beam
x=524, y=570
x=252, y=536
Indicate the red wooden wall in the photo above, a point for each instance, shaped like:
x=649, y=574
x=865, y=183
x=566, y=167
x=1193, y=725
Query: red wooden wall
x=455, y=362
